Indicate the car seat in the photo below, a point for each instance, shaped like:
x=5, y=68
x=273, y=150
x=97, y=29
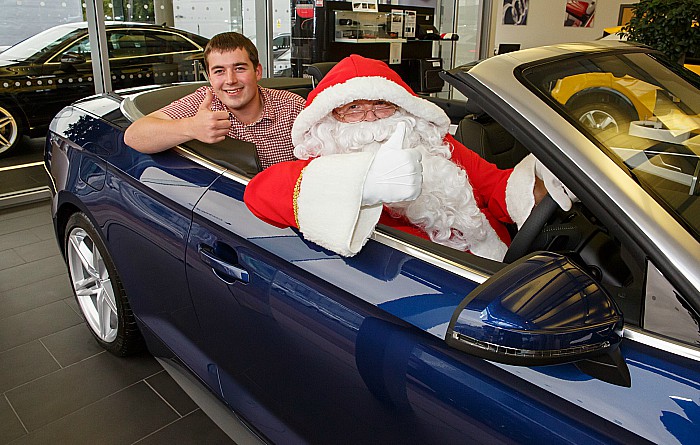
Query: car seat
x=490, y=140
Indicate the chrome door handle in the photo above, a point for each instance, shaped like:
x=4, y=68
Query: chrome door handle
x=220, y=266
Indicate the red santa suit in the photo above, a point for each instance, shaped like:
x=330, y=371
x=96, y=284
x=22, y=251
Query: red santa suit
x=322, y=196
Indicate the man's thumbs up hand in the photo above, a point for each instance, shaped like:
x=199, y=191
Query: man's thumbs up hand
x=207, y=125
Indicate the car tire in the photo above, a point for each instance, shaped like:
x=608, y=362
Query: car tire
x=600, y=116
x=98, y=289
x=10, y=130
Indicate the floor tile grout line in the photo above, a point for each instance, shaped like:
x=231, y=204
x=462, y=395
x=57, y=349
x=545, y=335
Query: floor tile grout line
x=38, y=338
x=78, y=312
x=78, y=409
x=47, y=350
x=26, y=431
x=26, y=228
x=61, y=368
x=3, y=318
x=10, y=215
x=46, y=278
x=5, y=291
x=164, y=426
x=159, y=395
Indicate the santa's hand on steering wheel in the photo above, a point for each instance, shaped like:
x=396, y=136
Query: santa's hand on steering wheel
x=556, y=189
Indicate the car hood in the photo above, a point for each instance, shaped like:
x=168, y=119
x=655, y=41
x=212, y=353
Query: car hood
x=8, y=62
x=9, y=68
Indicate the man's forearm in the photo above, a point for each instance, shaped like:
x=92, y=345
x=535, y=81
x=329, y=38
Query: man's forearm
x=151, y=134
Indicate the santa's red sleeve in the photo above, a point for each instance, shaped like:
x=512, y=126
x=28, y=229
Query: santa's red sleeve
x=270, y=194
x=322, y=197
x=508, y=194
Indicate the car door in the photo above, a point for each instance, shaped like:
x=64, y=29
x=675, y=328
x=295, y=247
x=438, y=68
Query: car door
x=309, y=346
x=142, y=205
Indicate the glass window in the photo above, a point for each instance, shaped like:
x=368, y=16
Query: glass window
x=163, y=42
x=644, y=112
x=81, y=47
x=127, y=43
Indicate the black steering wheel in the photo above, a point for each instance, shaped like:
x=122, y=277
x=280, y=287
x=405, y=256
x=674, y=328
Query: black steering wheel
x=532, y=227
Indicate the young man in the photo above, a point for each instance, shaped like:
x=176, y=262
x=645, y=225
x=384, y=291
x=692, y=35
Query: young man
x=372, y=151
x=234, y=106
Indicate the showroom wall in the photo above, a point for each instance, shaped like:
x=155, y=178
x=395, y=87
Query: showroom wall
x=545, y=23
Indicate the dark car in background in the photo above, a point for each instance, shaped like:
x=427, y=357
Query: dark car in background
x=586, y=333
x=42, y=74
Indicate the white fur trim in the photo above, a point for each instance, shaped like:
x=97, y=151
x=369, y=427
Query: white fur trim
x=492, y=247
x=520, y=198
x=367, y=88
x=329, y=203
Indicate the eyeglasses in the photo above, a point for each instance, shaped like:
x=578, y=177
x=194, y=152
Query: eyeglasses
x=351, y=113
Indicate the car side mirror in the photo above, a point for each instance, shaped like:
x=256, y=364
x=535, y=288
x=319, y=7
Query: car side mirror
x=72, y=58
x=542, y=310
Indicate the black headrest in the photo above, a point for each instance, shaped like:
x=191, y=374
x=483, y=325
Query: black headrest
x=318, y=70
x=233, y=154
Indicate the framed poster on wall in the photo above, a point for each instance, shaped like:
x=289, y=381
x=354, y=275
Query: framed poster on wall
x=515, y=12
x=626, y=13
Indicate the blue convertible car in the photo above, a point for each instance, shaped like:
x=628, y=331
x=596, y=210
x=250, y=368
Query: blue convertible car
x=588, y=332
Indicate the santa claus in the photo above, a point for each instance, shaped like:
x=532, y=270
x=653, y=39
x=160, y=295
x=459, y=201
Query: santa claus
x=371, y=151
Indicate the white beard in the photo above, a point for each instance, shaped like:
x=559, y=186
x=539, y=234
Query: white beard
x=446, y=209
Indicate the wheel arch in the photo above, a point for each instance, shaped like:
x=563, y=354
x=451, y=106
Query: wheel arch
x=68, y=206
x=9, y=103
x=604, y=95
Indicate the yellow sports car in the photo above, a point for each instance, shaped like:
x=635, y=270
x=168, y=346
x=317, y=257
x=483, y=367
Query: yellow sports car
x=610, y=99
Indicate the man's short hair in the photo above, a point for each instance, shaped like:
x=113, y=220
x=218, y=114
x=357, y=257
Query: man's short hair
x=231, y=41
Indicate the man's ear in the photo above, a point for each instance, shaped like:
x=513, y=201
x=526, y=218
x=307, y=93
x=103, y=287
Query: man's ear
x=259, y=71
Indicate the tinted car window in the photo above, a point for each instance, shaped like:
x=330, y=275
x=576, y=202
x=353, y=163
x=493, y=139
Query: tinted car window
x=126, y=43
x=131, y=43
x=167, y=42
x=81, y=47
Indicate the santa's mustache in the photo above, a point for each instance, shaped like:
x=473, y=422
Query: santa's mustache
x=366, y=136
x=330, y=136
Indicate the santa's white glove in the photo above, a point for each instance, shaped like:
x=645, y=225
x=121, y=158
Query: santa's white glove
x=558, y=191
x=395, y=174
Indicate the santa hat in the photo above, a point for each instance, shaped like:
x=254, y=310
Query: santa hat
x=355, y=78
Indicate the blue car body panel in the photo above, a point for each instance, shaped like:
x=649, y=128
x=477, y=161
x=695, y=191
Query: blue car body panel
x=314, y=348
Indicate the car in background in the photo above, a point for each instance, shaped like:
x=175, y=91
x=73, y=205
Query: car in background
x=281, y=52
x=42, y=74
x=281, y=43
x=283, y=65
x=586, y=332
x=607, y=100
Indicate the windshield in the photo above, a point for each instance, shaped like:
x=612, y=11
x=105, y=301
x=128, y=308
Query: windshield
x=32, y=48
x=643, y=112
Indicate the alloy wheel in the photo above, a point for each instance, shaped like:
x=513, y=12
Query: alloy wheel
x=93, y=285
x=9, y=130
x=599, y=120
